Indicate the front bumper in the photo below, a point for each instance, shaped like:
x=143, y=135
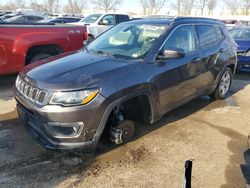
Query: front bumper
x=37, y=121
x=243, y=63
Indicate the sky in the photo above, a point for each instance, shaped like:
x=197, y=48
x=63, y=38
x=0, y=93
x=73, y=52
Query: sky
x=126, y=6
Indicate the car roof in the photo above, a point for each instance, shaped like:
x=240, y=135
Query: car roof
x=151, y=21
x=176, y=19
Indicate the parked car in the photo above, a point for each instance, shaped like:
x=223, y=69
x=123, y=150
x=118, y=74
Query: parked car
x=24, y=19
x=98, y=23
x=24, y=44
x=241, y=36
x=5, y=12
x=61, y=20
x=136, y=71
x=7, y=16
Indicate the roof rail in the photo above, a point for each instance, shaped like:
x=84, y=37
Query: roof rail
x=194, y=18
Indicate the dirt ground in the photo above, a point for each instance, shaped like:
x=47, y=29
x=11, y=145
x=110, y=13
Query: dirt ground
x=212, y=133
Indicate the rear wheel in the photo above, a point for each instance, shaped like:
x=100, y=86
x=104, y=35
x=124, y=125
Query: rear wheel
x=224, y=85
x=39, y=56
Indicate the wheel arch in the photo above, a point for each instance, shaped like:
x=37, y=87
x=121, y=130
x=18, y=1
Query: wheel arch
x=118, y=102
x=53, y=49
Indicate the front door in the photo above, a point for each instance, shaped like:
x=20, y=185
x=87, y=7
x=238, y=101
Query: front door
x=177, y=79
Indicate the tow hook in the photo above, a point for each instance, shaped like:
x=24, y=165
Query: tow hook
x=116, y=135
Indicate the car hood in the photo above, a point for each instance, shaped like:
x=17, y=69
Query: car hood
x=242, y=45
x=77, y=70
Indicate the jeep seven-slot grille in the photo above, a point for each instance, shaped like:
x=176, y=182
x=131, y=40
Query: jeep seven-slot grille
x=33, y=94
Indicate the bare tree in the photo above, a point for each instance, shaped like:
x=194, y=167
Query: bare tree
x=37, y=7
x=75, y=6
x=187, y=6
x=50, y=5
x=211, y=5
x=20, y=3
x=202, y=5
x=9, y=6
x=232, y=5
x=176, y=5
x=145, y=6
x=106, y=5
x=152, y=6
x=246, y=7
x=56, y=6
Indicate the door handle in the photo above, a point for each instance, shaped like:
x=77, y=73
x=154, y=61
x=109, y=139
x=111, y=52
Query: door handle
x=196, y=59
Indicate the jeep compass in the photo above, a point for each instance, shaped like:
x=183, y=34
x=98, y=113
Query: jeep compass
x=136, y=71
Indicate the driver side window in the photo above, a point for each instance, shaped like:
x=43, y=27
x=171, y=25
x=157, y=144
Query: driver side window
x=184, y=38
x=109, y=18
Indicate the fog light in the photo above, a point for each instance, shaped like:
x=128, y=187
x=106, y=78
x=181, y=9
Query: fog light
x=66, y=129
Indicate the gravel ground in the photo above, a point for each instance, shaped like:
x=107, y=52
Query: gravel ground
x=212, y=133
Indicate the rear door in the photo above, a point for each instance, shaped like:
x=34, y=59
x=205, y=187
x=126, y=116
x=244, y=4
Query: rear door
x=177, y=81
x=210, y=42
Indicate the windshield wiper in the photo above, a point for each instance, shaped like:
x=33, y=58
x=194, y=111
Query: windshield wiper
x=110, y=54
x=105, y=53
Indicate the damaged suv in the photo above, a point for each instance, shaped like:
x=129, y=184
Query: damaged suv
x=136, y=71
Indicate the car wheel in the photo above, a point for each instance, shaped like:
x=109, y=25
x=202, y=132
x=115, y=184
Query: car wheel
x=39, y=56
x=123, y=132
x=224, y=85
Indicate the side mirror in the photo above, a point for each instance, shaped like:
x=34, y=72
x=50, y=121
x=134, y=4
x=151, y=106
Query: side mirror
x=173, y=53
x=104, y=22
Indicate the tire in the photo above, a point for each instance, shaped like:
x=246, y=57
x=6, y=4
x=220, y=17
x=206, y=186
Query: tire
x=128, y=129
x=224, y=85
x=38, y=57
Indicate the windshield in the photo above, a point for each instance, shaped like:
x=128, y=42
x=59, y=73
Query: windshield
x=241, y=33
x=128, y=41
x=90, y=18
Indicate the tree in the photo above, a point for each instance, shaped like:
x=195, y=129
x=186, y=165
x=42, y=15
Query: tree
x=211, y=4
x=246, y=7
x=106, y=5
x=37, y=7
x=151, y=6
x=75, y=6
x=20, y=3
x=232, y=5
x=187, y=6
x=50, y=5
x=202, y=5
x=9, y=6
x=176, y=6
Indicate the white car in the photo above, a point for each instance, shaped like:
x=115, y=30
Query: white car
x=98, y=23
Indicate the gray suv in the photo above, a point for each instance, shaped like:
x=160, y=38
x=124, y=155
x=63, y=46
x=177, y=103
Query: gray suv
x=136, y=71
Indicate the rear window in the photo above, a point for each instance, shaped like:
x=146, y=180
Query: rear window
x=122, y=18
x=219, y=33
x=207, y=35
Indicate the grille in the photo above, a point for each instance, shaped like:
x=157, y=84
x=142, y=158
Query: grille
x=30, y=93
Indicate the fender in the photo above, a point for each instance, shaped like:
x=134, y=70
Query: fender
x=92, y=30
x=25, y=41
x=113, y=104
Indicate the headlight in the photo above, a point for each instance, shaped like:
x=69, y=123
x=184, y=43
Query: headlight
x=73, y=98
